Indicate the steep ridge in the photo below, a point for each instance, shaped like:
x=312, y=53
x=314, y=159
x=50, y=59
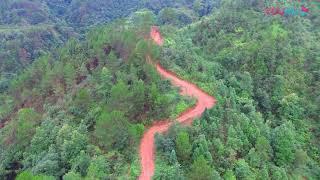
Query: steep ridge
x=204, y=101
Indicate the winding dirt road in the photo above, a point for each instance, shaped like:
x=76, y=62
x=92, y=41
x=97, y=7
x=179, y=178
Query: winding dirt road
x=204, y=101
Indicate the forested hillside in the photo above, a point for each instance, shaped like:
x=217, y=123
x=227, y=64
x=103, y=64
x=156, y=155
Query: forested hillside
x=264, y=72
x=29, y=29
x=82, y=111
x=77, y=92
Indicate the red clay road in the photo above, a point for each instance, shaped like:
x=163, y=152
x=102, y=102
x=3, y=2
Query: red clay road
x=147, y=147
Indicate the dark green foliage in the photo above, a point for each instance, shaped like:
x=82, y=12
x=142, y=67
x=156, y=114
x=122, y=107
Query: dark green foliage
x=176, y=17
x=173, y=158
x=143, y=20
x=164, y=144
x=243, y=171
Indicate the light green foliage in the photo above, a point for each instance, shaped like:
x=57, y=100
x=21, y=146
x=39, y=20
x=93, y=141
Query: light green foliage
x=200, y=170
x=135, y=168
x=234, y=141
x=255, y=66
x=98, y=104
x=243, y=171
x=200, y=148
x=183, y=146
x=112, y=130
x=263, y=173
x=181, y=107
x=284, y=144
x=72, y=176
x=72, y=143
x=142, y=48
x=263, y=148
x=158, y=101
x=119, y=96
x=253, y=158
x=6, y=105
x=27, y=175
x=278, y=173
x=81, y=163
x=82, y=99
x=143, y=20
x=26, y=121
x=136, y=131
x=291, y=108
x=278, y=32
x=278, y=90
x=264, y=72
x=48, y=163
x=44, y=137
x=229, y=175
x=98, y=169
x=166, y=172
x=69, y=74
x=138, y=98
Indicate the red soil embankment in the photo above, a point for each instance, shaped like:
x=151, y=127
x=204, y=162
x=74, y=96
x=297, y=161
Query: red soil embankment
x=204, y=101
x=156, y=36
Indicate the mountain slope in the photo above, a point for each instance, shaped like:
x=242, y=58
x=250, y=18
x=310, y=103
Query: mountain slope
x=82, y=111
x=263, y=70
x=29, y=29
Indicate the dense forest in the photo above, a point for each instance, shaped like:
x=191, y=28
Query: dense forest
x=77, y=94
x=264, y=72
x=29, y=29
x=77, y=113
